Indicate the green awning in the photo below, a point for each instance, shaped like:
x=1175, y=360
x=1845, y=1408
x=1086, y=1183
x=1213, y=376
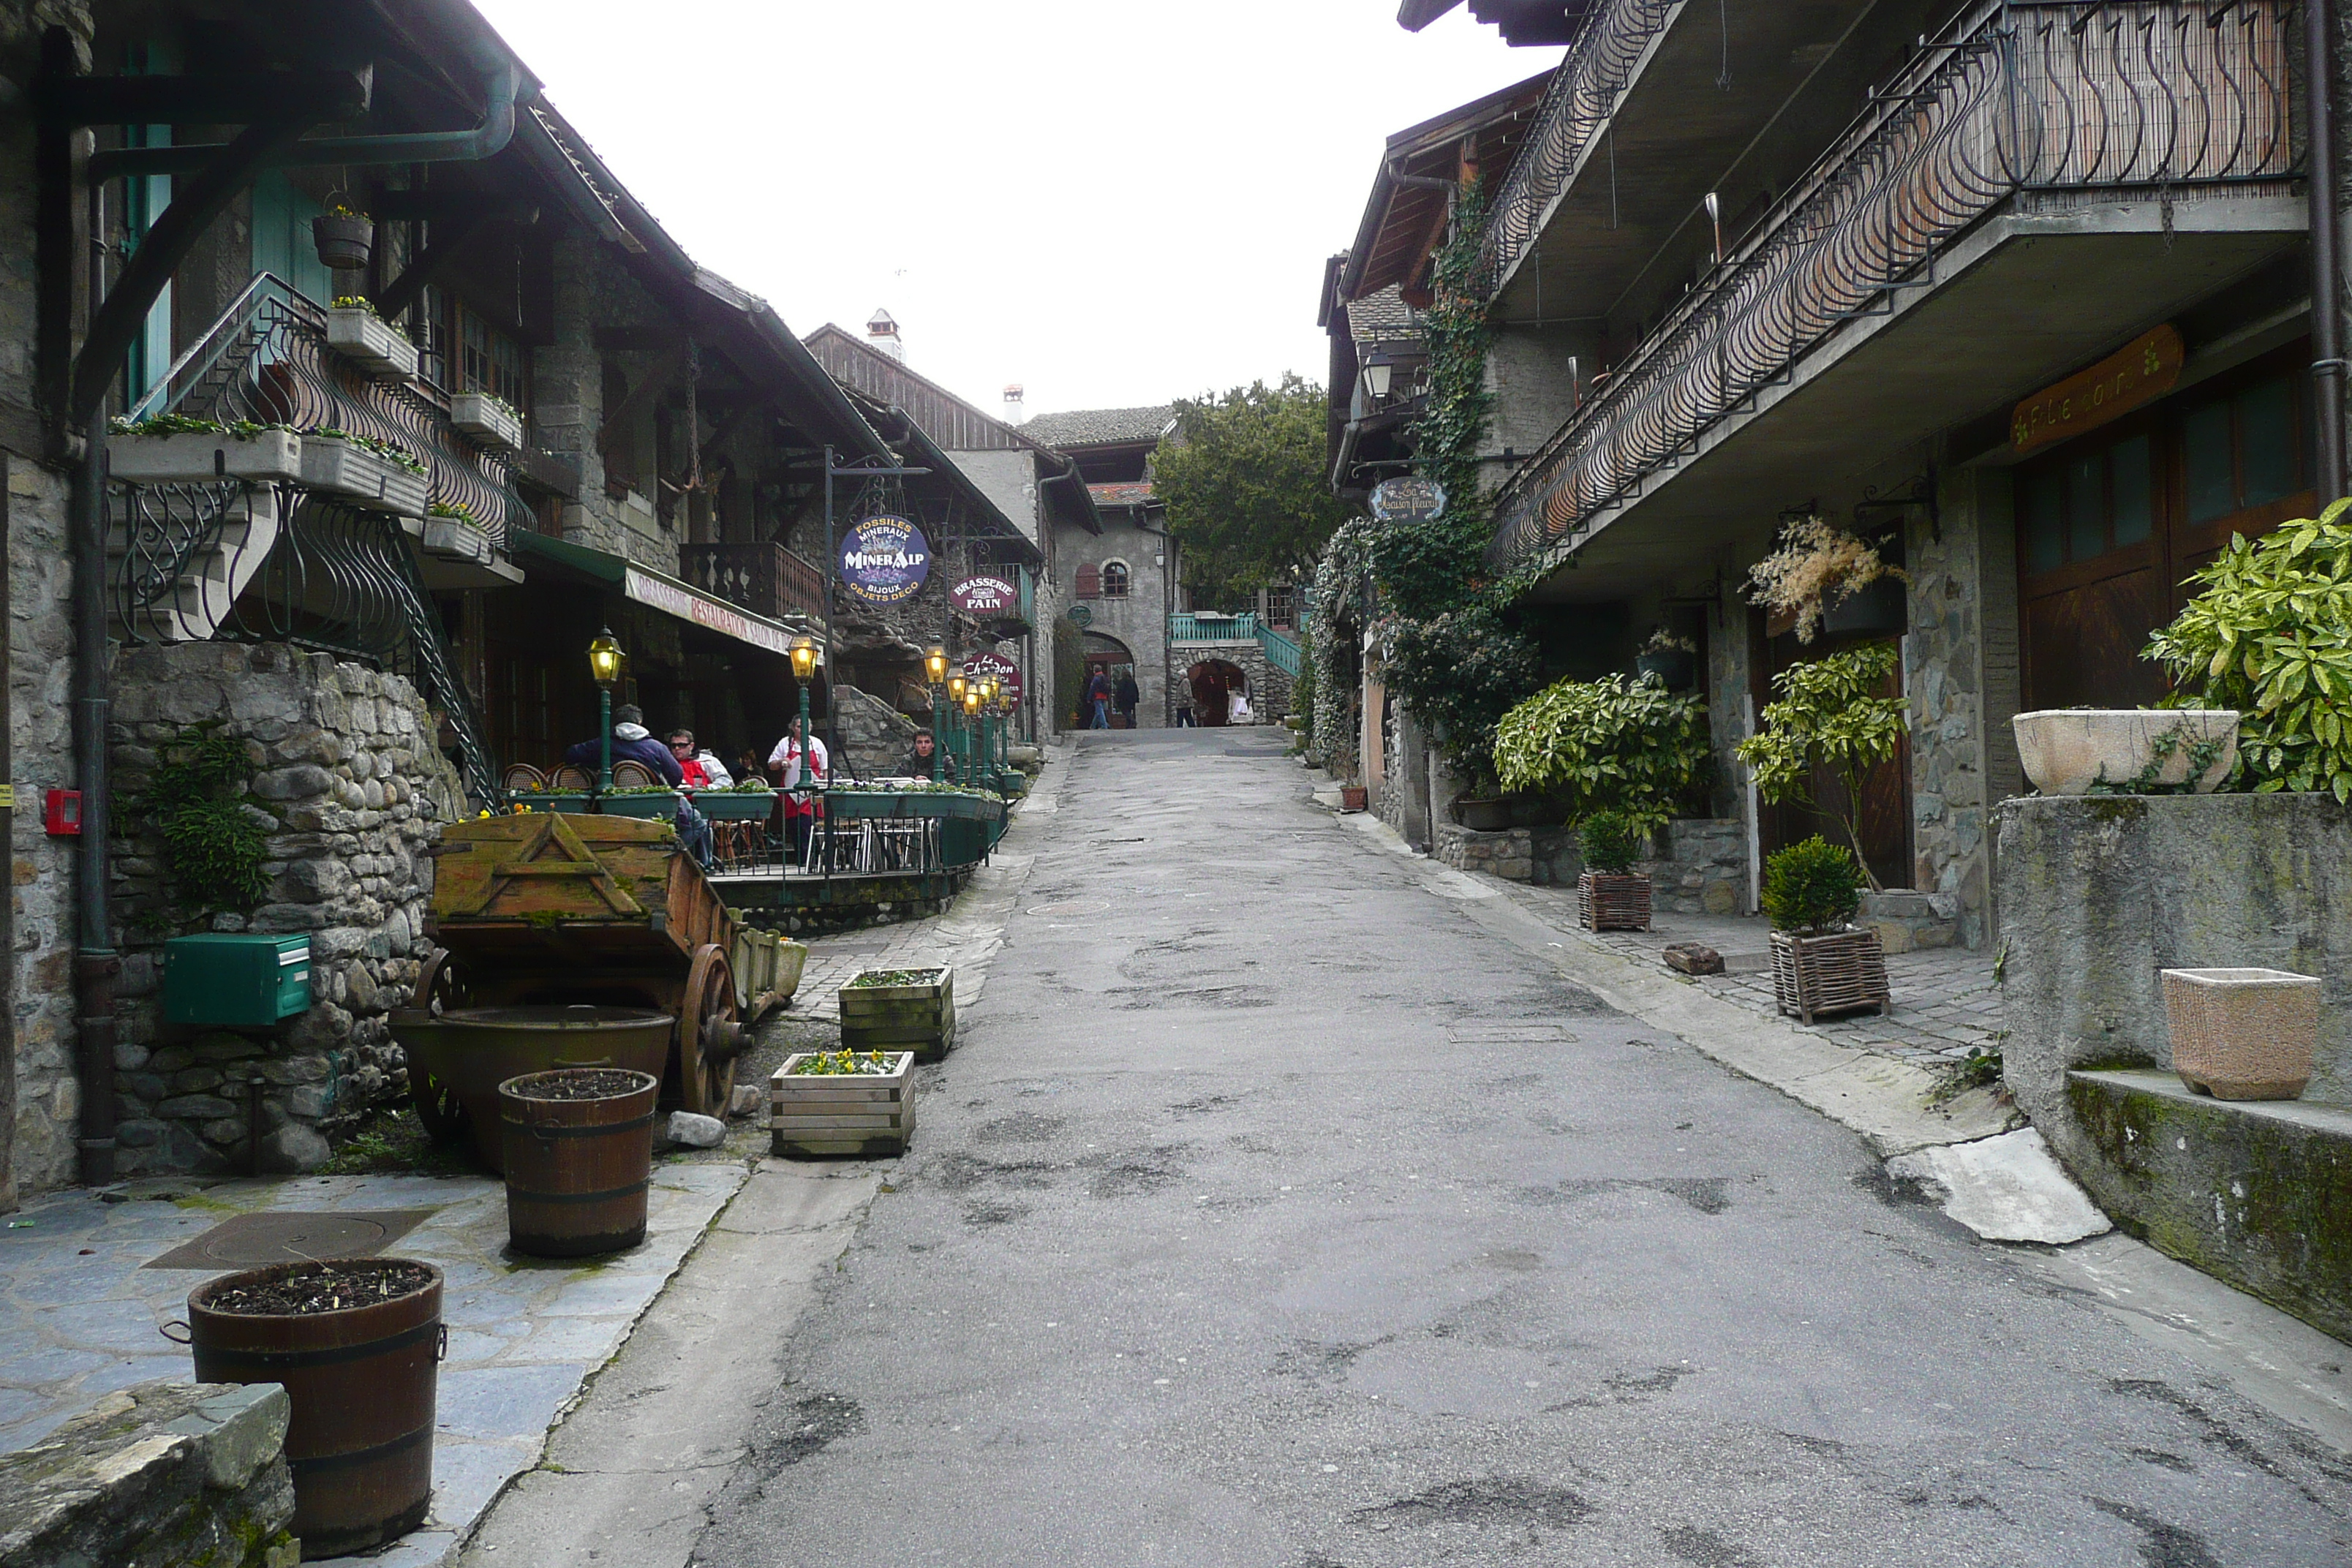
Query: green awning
x=595, y=563
x=659, y=591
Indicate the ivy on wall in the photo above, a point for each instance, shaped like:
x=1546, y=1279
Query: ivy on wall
x=215, y=840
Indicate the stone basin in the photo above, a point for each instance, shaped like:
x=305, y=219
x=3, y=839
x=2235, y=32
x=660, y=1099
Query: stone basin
x=2067, y=751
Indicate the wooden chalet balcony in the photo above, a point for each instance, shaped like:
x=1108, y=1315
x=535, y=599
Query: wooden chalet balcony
x=761, y=575
x=2084, y=119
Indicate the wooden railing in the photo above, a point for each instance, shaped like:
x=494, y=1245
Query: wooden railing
x=761, y=575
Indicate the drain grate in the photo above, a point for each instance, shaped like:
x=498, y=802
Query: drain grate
x=257, y=1240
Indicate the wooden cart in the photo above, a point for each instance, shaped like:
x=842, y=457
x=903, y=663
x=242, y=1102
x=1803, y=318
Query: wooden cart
x=552, y=908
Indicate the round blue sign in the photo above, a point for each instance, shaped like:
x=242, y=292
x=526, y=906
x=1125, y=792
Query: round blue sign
x=884, y=560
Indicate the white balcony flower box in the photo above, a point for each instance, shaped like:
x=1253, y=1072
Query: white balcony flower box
x=367, y=340
x=486, y=420
x=336, y=467
x=194, y=458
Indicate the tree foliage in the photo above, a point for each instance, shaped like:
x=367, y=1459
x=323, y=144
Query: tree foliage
x=1813, y=888
x=2270, y=634
x=1247, y=494
x=1829, y=715
x=1621, y=744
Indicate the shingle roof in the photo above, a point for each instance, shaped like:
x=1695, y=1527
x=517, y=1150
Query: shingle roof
x=1382, y=314
x=1099, y=427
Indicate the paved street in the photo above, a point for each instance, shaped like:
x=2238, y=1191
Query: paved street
x=1274, y=1212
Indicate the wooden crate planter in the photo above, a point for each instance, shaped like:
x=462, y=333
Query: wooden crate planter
x=833, y=1115
x=366, y=479
x=191, y=457
x=919, y=1017
x=486, y=420
x=1840, y=973
x=1604, y=902
x=372, y=343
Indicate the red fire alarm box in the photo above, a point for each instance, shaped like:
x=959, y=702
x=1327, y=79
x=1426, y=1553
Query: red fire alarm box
x=61, y=812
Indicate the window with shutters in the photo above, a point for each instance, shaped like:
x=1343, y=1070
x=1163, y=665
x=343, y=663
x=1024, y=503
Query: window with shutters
x=1089, y=582
x=1114, y=580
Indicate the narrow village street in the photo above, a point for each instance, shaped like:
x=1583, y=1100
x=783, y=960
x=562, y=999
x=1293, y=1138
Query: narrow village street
x=1227, y=1238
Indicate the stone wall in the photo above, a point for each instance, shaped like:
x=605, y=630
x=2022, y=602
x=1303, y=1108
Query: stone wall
x=1698, y=866
x=353, y=793
x=874, y=736
x=1267, y=702
x=1943, y=657
x=160, y=1475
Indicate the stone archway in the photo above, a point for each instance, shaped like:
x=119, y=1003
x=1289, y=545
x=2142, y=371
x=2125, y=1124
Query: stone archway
x=1114, y=658
x=1211, y=680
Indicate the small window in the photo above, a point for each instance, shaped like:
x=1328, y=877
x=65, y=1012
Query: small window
x=2085, y=504
x=2243, y=451
x=487, y=360
x=1114, y=580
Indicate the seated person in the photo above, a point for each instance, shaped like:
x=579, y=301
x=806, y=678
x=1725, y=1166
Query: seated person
x=703, y=769
x=632, y=741
x=916, y=764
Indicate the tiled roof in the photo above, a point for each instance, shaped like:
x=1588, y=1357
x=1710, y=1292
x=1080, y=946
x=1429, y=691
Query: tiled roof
x=1382, y=314
x=1121, y=495
x=1099, y=427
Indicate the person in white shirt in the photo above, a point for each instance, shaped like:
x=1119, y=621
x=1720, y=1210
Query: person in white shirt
x=1237, y=708
x=800, y=810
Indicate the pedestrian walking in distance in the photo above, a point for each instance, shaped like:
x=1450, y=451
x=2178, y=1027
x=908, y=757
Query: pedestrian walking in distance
x=1098, y=696
x=1129, y=695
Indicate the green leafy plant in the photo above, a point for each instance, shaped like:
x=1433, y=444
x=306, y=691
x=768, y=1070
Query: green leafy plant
x=1980, y=1069
x=181, y=425
x=1247, y=487
x=1619, y=743
x=1829, y=715
x=455, y=508
x=390, y=452
x=214, y=842
x=752, y=786
x=1609, y=842
x=2270, y=634
x=847, y=1063
x=1811, y=888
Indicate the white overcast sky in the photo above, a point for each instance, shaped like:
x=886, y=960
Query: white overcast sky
x=1110, y=202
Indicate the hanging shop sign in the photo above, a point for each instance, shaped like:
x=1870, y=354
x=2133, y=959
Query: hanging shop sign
x=980, y=666
x=884, y=560
x=1081, y=616
x=1409, y=499
x=986, y=598
x=2138, y=373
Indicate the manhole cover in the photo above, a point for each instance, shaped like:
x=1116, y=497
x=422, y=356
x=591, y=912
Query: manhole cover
x=256, y=1240
x=1074, y=906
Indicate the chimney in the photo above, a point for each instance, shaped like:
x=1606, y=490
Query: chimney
x=1015, y=411
x=882, y=332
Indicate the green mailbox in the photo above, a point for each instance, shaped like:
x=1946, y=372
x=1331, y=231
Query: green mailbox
x=220, y=977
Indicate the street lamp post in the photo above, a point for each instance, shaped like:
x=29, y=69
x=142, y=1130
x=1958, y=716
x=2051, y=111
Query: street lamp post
x=606, y=661
x=935, y=665
x=956, y=687
x=803, y=672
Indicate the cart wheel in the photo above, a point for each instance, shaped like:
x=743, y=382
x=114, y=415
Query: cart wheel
x=710, y=1034
x=440, y=988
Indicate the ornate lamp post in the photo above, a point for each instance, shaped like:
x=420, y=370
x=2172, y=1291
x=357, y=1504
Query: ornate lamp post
x=956, y=684
x=605, y=662
x=935, y=665
x=804, y=674
x=989, y=692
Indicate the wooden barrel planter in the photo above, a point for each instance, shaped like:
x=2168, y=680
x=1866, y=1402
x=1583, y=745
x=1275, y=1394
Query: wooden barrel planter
x=1839, y=972
x=578, y=1146
x=900, y=1009
x=1606, y=902
x=357, y=1343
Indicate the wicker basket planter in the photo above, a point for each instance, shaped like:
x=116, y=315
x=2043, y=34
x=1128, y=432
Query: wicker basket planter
x=2243, y=1033
x=1606, y=902
x=366, y=479
x=371, y=343
x=834, y=1116
x=919, y=1016
x=1840, y=973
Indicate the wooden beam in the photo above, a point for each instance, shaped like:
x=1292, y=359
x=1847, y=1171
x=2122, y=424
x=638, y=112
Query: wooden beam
x=449, y=239
x=641, y=396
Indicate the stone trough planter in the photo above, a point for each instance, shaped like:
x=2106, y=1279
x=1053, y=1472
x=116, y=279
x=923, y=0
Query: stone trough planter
x=1840, y=973
x=833, y=1115
x=372, y=343
x=486, y=420
x=2243, y=1033
x=367, y=479
x=916, y=1013
x=2124, y=750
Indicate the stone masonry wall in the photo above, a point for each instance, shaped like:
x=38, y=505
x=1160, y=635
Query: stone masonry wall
x=1703, y=872
x=354, y=793
x=1942, y=661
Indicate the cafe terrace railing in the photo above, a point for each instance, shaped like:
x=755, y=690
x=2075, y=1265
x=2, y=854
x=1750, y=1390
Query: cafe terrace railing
x=2159, y=96
x=1576, y=107
x=1282, y=652
x=1202, y=627
x=761, y=575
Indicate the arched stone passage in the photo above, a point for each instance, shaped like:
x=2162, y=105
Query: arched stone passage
x=1114, y=658
x=1213, y=681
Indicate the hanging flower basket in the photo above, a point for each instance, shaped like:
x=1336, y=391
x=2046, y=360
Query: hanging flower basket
x=344, y=241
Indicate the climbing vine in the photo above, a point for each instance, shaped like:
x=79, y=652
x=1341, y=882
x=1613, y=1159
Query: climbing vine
x=1335, y=596
x=216, y=841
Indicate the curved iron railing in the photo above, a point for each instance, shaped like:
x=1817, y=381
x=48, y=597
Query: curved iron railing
x=161, y=534
x=1576, y=105
x=2023, y=95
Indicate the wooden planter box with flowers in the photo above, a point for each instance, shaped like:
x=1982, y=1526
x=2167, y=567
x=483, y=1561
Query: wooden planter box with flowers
x=832, y=1105
x=900, y=1009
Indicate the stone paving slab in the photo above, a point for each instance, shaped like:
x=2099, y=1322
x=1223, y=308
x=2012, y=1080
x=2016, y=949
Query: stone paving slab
x=79, y=1312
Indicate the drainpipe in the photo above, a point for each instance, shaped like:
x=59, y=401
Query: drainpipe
x=2327, y=365
x=8, y=903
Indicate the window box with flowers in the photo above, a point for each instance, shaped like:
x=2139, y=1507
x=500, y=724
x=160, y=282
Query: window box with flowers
x=487, y=418
x=355, y=331
x=374, y=476
x=171, y=449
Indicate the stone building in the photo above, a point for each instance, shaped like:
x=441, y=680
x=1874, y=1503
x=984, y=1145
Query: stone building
x=2047, y=392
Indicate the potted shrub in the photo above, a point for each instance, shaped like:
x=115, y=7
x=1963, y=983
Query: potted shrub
x=372, y=474
x=827, y=1105
x=577, y=1146
x=1819, y=964
x=2249, y=642
x=1829, y=714
x=2243, y=1033
x=172, y=449
x=1621, y=744
x=1816, y=569
x=1484, y=809
x=1609, y=895
x=355, y=331
x=345, y=238
x=905, y=1009
x=357, y=1343
x=1672, y=657
x=487, y=418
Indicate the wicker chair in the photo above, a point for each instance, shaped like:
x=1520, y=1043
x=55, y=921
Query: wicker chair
x=524, y=776
x=572, y=777
x=630, y=774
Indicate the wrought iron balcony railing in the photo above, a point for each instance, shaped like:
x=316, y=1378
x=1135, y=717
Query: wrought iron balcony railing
x=2164, y=97
x=761, y=576
x=1577, y=104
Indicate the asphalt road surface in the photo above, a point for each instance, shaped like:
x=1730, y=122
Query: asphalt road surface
x=1270, y=1213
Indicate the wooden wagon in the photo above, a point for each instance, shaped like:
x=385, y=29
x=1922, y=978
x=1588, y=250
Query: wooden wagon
x=556, y=910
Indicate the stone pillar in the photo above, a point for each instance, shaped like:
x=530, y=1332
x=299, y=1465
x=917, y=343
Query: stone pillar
x=1944, y=670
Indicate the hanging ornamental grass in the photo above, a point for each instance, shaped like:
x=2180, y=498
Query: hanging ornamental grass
x=1619, y=743
x=2270, y=634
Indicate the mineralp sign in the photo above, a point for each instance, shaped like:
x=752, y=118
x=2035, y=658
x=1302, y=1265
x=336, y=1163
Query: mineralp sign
x=985, y=598
x=884, y=560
